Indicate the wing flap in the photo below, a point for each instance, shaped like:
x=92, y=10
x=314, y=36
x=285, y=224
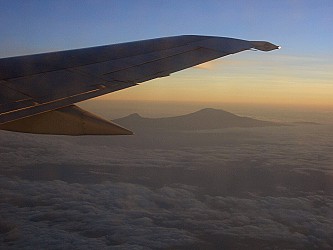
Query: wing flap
x=70, y=120
x=36, y=108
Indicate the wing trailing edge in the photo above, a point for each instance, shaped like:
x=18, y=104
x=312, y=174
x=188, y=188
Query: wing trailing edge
x=70, y=120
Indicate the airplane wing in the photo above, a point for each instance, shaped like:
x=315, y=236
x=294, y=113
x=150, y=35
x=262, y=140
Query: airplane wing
x=37, y=92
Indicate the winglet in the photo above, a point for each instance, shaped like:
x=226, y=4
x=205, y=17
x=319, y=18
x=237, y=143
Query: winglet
x=69, y=120
x=264, y=46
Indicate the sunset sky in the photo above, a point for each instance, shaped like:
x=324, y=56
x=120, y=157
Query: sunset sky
x=247, y=164
x=300, y=74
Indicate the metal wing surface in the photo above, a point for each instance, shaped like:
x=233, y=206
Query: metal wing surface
x=35, y=84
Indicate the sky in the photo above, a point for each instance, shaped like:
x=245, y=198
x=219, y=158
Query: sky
x=300, y=74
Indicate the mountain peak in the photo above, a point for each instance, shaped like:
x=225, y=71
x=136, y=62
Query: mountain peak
x=134, y=115
x=212, y=111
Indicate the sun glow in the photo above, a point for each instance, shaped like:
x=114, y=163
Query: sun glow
x=253, y=78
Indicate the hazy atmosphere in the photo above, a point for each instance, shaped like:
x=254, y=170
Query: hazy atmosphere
x=231, y=154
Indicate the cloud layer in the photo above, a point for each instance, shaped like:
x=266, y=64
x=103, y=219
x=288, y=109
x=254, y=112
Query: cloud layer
x=241, y=189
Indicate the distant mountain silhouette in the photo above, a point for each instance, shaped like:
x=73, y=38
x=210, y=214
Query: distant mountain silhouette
x=201, y=120
x=306, y=123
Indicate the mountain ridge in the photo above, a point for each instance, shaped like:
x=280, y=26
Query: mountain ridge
x=207, y=118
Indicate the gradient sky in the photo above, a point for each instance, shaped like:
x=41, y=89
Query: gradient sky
x=300, y=74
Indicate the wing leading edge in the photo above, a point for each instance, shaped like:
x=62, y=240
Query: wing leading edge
x=40, y=87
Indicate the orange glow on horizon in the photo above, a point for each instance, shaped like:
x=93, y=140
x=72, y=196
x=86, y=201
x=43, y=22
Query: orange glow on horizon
x=253, y=79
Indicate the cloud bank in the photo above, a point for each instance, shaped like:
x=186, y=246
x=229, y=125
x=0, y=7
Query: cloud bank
x=244, y=189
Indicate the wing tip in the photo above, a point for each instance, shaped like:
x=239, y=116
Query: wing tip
x=264, y=46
